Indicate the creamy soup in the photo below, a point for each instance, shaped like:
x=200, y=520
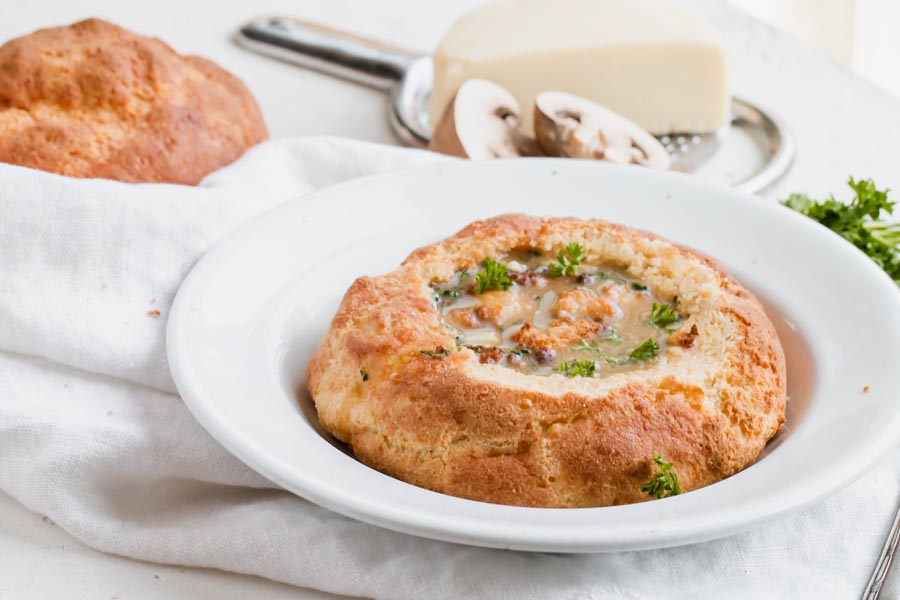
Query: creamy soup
x=544, y=314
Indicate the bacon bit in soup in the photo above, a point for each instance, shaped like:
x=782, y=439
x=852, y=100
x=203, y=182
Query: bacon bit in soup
x=685, y=339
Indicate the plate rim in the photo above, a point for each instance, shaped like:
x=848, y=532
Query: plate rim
x=351, y=505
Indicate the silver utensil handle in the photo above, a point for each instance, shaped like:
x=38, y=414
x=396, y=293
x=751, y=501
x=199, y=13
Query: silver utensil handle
x=328, y=50
x=882, y=567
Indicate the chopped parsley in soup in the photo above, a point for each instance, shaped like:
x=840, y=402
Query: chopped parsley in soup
x=542, y=314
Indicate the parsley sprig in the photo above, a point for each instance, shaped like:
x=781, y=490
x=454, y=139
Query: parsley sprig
x=493, y=276
x=662, y=316
x=645, y=351
x=577, y=368
x=858, y=222
x=567, y=260
x=663, y=484
x=586, y=346
x=612, y=335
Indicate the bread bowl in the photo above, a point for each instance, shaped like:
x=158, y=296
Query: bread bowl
x=92, y=99
x=404, y=379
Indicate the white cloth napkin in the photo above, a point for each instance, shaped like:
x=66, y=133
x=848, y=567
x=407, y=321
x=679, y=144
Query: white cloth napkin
x=93, y=434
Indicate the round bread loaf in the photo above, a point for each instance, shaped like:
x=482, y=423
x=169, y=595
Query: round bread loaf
x=392, y=380
x=94, y=100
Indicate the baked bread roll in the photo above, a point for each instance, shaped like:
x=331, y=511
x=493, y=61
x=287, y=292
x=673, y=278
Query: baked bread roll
x=94, y=100
x=546, y=361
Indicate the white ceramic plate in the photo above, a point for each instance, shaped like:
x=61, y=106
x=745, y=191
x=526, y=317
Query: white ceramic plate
x=251, y=313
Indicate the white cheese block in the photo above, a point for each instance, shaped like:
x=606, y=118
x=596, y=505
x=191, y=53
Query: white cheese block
x=662, y=68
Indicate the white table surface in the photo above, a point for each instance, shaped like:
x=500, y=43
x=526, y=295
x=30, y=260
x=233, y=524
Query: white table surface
x=838, y=136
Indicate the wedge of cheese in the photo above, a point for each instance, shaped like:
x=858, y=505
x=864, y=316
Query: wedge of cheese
x=662, y=68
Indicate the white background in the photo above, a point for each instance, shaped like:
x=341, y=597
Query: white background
x=861, y=34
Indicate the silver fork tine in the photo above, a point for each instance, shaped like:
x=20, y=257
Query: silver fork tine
x=883, y=566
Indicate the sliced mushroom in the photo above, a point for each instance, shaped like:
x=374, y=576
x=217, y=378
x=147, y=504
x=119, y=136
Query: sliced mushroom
x=482, y=122
x=572, y=126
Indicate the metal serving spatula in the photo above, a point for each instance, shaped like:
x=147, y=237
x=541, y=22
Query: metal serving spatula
x=408, y=78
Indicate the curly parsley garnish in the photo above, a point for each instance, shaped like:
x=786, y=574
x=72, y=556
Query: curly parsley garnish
x=568, y=260
x=493, y=276
x=365, y=374
x=662, y=316
x=665, y=483
x=586, y=346
x=645, y=351
x=858, y=222
x=438, y=352
x=576, y=368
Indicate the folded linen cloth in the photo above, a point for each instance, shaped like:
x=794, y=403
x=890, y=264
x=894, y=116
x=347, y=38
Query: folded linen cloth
x=94, y=435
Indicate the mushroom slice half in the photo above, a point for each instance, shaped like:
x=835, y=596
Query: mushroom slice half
x=482, y=122
x=572, y=126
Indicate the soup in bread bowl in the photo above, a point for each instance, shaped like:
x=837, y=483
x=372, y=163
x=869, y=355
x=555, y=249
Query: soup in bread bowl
x=552, y=362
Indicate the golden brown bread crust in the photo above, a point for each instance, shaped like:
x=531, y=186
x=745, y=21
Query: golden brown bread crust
x=486, y=432
x=94, y=100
